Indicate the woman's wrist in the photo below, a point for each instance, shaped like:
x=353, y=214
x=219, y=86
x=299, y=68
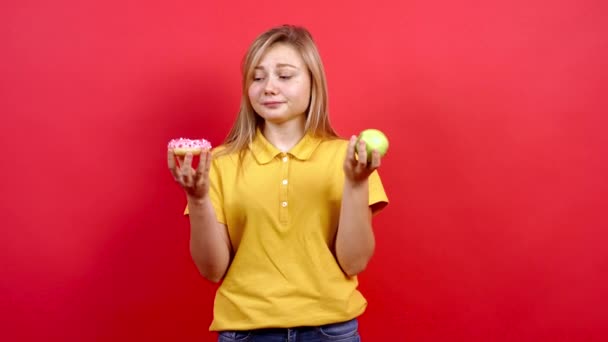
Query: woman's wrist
x=356, y=184
x=197, y=201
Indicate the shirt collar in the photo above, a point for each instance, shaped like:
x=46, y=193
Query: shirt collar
x=264, y=151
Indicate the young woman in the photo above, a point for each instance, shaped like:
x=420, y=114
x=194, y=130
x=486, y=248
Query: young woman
x=281, y=212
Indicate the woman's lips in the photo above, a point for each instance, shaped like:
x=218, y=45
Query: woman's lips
x=272, y=104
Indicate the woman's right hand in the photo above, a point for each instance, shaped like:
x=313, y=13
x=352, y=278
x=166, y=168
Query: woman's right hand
x=194, y=182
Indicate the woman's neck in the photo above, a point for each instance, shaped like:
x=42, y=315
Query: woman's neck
x=285, y=135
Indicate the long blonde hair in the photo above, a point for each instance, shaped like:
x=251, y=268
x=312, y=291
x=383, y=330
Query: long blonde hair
x=244, y=128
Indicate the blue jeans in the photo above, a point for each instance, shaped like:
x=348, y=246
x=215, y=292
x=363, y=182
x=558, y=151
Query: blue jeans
x=337, y=332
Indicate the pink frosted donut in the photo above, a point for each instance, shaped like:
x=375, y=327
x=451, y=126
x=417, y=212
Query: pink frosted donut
x=181, y=146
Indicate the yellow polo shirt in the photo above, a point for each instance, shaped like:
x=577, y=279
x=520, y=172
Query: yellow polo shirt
x=282, y=212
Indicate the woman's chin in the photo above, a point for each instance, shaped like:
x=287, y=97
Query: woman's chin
x=279, y=119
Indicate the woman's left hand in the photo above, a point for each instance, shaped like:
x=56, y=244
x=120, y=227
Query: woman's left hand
x=356, y=166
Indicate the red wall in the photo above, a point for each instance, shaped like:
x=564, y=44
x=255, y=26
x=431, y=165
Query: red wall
x=497, y=168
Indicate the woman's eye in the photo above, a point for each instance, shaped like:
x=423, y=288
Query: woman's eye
x=285, y=77
x=255, y=79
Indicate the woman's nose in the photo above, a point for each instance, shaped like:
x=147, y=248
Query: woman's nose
x=270, y=86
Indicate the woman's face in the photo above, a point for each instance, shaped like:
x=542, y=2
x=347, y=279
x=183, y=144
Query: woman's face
x=280, y=89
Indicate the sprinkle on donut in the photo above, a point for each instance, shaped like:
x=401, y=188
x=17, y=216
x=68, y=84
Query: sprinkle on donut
x=181, y=146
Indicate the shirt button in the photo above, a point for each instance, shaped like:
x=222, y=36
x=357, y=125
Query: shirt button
x=284, y=204
x=284, y=182
x=285, y=159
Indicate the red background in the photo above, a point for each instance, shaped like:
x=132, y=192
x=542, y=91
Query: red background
x=497, y=169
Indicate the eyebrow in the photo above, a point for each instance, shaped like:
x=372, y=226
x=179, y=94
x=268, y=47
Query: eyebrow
x=280, y=65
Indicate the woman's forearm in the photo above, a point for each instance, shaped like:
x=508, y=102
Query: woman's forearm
x=355, y=240
x=209, y=242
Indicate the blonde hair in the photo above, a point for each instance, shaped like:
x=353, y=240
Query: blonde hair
x=244, y=128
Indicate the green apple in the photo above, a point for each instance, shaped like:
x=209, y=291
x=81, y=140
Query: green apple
x=374, y=140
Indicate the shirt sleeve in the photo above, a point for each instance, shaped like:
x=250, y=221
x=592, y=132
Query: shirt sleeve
x=215, y=192
x=377, y=196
